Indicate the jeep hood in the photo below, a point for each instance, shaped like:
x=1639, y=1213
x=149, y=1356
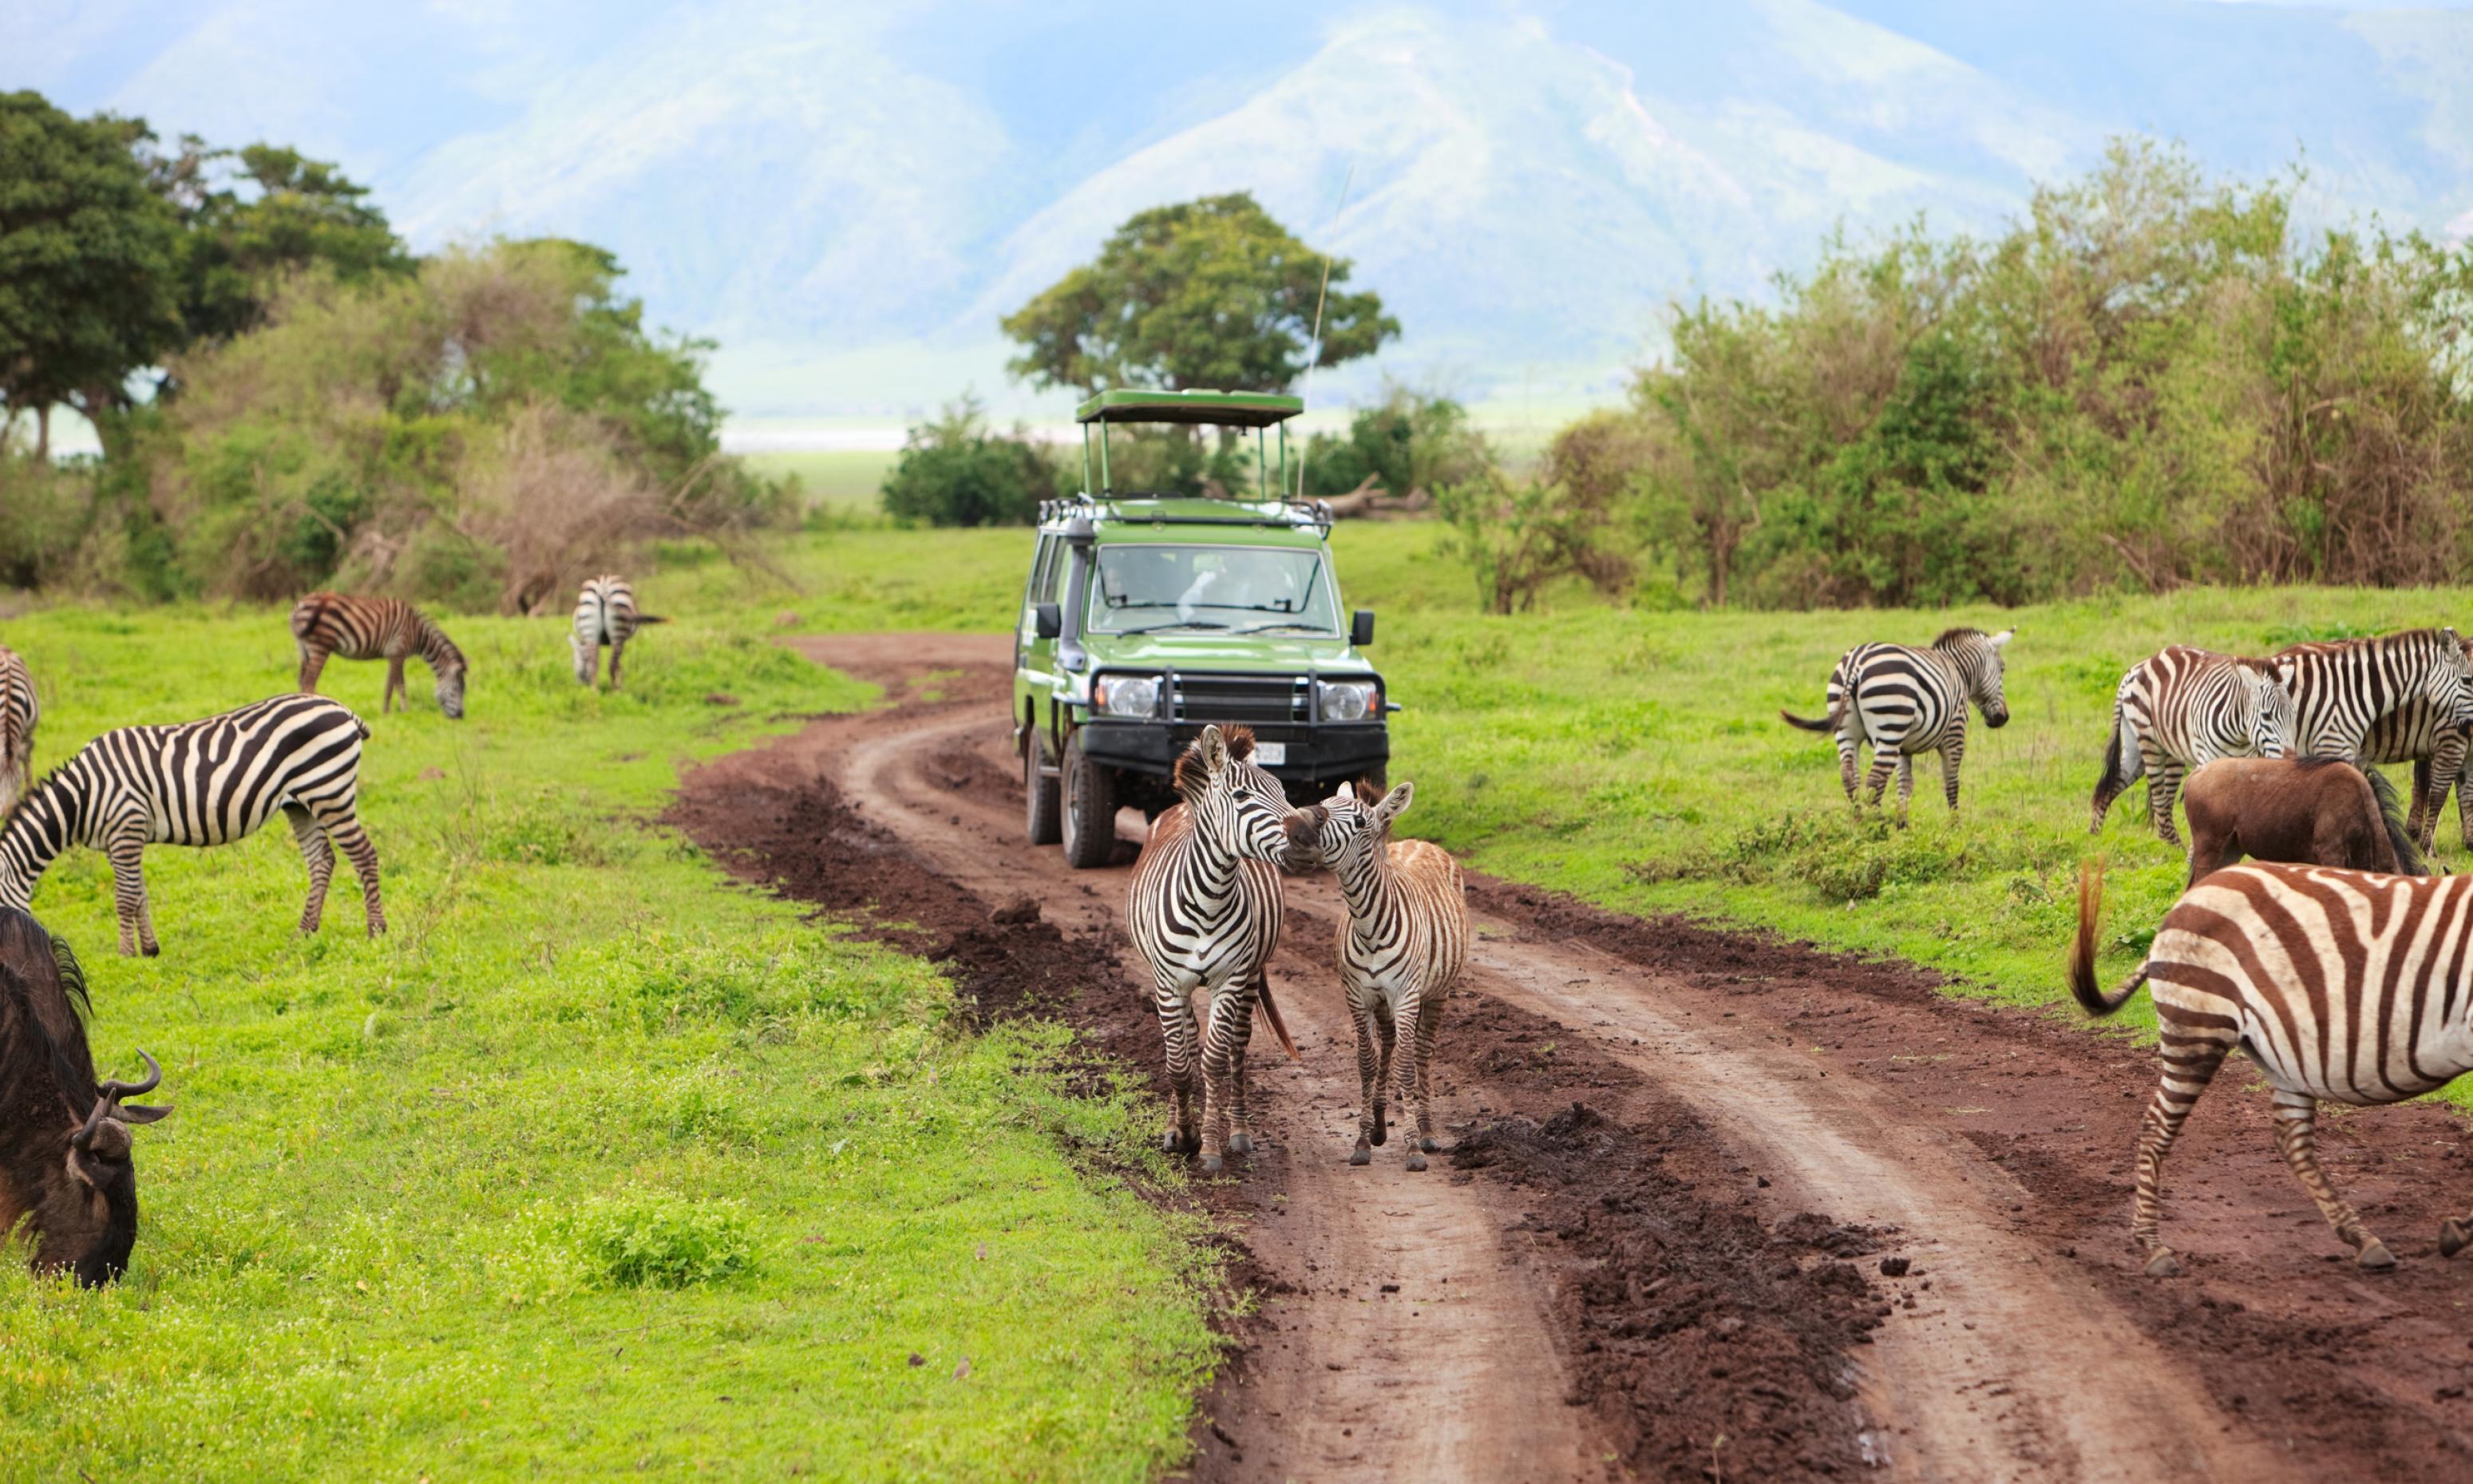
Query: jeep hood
x=1284, y=652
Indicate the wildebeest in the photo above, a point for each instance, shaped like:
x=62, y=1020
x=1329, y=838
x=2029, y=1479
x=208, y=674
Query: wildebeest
x=65, y=1141
x=2308, y=811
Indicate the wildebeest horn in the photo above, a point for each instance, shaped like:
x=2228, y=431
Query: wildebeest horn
x=115, y=1092
x=106, y=1101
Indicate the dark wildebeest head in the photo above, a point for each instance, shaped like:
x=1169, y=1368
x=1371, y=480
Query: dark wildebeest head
x=65, y=1141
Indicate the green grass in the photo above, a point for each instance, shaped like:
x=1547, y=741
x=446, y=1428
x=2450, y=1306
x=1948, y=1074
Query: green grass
x=596, y=1163
x=842, y=480
x=1635, y=758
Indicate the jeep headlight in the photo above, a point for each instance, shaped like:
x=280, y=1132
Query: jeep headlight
x=1126, y=695
x=1350, y=700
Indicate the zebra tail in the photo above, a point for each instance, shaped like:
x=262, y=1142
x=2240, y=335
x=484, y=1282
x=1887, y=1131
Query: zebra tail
x=1270, y=1014
x=2408, y=859
x=642, y=619
x=2082, y=949
x=2111, y=782
x=1828, y=723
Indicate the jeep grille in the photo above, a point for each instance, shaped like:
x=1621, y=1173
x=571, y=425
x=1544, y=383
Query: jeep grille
x=1249, y=699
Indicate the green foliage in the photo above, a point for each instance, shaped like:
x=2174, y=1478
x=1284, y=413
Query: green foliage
x=88, y=254
x=1207, y=293
x=1408, y=442
x=255, y=216
x=598, y=1162
x=957, y=471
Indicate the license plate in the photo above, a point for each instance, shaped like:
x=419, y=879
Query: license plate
x=1270, y=755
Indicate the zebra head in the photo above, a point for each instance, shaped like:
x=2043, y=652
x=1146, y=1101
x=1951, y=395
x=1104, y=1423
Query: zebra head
x=1237, y=804
x=1355, y=832
x=2450, y=684
x=2269, y=709
x=450, y=691
x=1979, y=659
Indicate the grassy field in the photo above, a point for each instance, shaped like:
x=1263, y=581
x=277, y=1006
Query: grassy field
x=597, y=1162
x=841, y=481
x=1636, y=757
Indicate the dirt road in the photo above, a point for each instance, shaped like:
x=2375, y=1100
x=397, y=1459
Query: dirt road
x=1682, y=1157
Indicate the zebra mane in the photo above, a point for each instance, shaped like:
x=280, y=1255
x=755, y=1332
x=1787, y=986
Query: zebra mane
x=1240, y=746
x=1949, y=638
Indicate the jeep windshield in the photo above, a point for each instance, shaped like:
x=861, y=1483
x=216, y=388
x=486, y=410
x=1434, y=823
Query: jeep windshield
x=1244, y=590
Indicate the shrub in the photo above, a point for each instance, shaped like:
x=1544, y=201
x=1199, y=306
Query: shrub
x=1407, y=442
x=650, y=1239
x=955, y=471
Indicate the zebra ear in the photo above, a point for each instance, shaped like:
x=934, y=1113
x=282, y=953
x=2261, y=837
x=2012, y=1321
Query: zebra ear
x=1347, y=791
x=1214, y=750
x=1394, y=805
x=2004, y=637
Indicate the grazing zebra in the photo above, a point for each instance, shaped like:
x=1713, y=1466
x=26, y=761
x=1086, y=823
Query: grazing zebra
x=1907, y=700
x=201, y=783
x=1407, y=942
x=2180, y=710
x=1205, y=913
x=19, y=712
x=2341, y=688
x=388, y=629
x=605, y=616
x=2340, y=985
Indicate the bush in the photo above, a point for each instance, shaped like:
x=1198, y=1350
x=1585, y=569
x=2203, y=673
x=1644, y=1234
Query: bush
x=954, y=471
x=654, y=1240
x=1407, y=442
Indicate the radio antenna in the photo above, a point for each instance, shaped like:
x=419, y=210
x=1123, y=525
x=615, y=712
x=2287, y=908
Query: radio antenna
x=1313, y=348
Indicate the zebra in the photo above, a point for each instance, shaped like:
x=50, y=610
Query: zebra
x=2179, y=709
x=1205, y=913
x=388, y=629
x=2340, y=985
x=19, y=712
x=2341, y=688
x=202, y=783
x=1905, y=701
x=2420, y=734
x=605, y=616
x=1407, y=940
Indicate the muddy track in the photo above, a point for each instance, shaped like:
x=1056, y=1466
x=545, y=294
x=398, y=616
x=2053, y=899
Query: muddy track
x=1682, y=1157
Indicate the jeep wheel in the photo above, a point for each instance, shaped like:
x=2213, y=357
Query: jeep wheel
x=1039, y=793
x=1089, y=810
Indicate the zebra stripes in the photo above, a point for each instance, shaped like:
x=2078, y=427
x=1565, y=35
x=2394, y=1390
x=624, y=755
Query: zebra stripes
x=2180, y=710
x=1205, y=915
x=1905, y=700
x=388, y=629
x=2342, y=986
x=201, y=783
x=2420, y=733
x=1407, y=940
x=605, y=617
x=19, y=712
x=2341, y=689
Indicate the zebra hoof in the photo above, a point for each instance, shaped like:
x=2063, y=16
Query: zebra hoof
x=1178, y=1141
x=1360, y=1155
x=153, y=950
x=1429, y=1146
x=1416, y=1160
x=1381, y=1131
x=1211, y=1164
x=2453, y=1234
x=2163, y=1265
x=1241, y=1144
x=2374, y=1256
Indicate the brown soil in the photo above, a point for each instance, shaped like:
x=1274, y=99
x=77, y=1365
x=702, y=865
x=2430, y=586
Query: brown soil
x=1683, y=1159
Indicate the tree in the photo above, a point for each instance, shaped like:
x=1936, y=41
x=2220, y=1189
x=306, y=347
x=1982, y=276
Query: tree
x=1406, y=443
x=1209, y=294
x=87, y=256
x=272, y=212
x=955, y=471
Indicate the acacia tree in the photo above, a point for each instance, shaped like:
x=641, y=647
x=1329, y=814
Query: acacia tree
x=257, y=214
x=87, y=253
x=1209, y=294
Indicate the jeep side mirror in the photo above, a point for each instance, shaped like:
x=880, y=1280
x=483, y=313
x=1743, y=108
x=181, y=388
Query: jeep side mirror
x=1361, y=627
x=1048, y=620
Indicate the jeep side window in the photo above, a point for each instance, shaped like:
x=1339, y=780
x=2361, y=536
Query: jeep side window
x=1042, y=575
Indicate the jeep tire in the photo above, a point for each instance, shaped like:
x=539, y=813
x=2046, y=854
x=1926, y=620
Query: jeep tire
x=1089, y=812
x=1039, y=795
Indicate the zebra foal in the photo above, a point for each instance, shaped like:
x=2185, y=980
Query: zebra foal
x=605, y=618
x=1407, y=942
x=201, y=783
x=2179, y=709
x=324, y=624
x=2342, y=986
x=1905, y=701
x=19, y=712
x=1205, y=915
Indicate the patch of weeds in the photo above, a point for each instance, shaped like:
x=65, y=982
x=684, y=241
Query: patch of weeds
x=653, y=1239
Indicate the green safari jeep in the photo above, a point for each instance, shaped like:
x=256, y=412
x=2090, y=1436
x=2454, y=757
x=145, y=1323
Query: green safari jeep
x=1148, y=616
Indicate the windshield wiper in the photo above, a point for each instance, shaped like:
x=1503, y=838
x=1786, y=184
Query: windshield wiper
x=1267, y=627
x=1195, y=623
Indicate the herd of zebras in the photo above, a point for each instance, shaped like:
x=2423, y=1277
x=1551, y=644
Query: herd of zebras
x=2341, y=985
x=204, y=782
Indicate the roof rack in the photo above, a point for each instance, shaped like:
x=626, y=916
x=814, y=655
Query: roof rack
x=1260, y=512
x=1221, y=409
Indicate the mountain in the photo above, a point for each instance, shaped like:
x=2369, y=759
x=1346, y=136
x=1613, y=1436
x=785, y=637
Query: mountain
x=847, y=199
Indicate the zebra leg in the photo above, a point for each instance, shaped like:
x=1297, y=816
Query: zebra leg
x=1229, y=1007
x=344, y=827
x=1369, y=1072
x=127, y=851
x=2296, y=1134
x=313, y=662
x=1953, y=751
x=1906, y=785
x=321, y=857
x=1429, y=1025
x=2190, y=1064
x=1174, y=1001
x=1386, y=1021
x=1846, y=763
x=1409, y=1015
x=1884, y=763
x=617, y=652
x=393, y=686
x=587, y=662
x=2163, y=787
x=1240, y=1036
x=2421, y=823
